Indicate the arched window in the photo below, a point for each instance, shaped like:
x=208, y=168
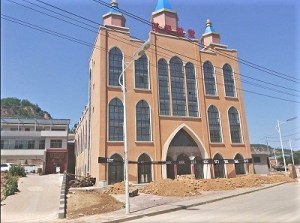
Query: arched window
x=191, y=89
x=116, y=120
x=235, y=127
x=214, y=124
x=239, y=164
x=219, y=168
x=116, y=169
x=209, y=79
x=228, y=81
x=143, y=131
x=144, y=169
x=141, y=73
x=178, y=87
x=115, y=66
x=164, y=96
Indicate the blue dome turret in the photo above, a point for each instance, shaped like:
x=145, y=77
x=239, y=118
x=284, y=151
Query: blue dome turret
x=163, y=4
x=209, y=27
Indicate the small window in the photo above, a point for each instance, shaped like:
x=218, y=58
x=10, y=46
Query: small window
x=256, y=159
x=42, y=144
x=55, y=143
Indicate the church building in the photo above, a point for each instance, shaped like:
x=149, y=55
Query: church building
x=184, y=104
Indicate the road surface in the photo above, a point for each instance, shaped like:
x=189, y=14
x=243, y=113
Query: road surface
x=37, y=201
x=277, y=204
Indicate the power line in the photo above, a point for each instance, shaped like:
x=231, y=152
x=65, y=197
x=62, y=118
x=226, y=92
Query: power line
x=60, y=19
x=88, y=44
x=130, y=14
x=238, y=59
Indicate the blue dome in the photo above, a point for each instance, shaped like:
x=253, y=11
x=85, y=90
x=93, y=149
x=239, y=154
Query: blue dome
x=163, y=4
x=209, y=28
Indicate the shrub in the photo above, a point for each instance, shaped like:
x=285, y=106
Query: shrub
x=11, y=185
x=17, y=171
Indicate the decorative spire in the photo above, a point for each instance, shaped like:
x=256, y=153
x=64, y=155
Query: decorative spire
x=209, y=28
x=114, y=16
x=165, y=16
x=114, y=6
x=163, y=4
x=114, y=3
x=210, y=36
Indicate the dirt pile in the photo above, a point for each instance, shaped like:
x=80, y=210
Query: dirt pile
x=90, y=202
x=183, y=187
x=119, y=188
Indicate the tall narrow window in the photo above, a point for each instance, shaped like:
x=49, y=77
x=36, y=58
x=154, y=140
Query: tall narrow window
x=209, y=79
x=143, y=131
x=164, y=96
x=115, y=66
x=214, y=125
x=141, y=73
x=191, y=89
x=116, y=120
x=228, y=81
x=235, y=128
x=178, y=87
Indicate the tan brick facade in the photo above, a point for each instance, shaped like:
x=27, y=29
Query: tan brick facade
x=163, y=127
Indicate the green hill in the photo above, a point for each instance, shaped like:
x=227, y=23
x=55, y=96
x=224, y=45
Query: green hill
x=14, y=107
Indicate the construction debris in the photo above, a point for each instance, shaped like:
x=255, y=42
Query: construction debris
x=82, y=182
x=119, y=188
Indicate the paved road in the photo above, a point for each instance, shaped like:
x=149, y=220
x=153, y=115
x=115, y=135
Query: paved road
x=278, y=204
x=37, y=201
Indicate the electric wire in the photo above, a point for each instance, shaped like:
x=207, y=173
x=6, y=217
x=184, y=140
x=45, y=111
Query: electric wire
x=130, y=14
x=238, y=59
x=78, y=41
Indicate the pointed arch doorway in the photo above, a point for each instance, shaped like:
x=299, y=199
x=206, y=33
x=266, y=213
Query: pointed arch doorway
x=183, y=146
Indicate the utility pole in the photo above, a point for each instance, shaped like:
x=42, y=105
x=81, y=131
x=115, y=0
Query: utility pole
x=269, y=151
x=290, y=142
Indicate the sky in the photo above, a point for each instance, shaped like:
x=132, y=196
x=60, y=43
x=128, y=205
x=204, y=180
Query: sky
x=53, y=72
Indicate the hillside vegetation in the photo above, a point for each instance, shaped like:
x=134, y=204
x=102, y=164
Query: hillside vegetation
x=14, y=107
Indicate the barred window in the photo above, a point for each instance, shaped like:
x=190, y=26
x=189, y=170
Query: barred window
x=209, y=79
x=55, y=143
x=24, y=144
x=141, y=73
x=235, y=128
x=191, y=89
x=115, y=66
x=143, y=131
x=164, y=95
x=178, y=87
x=228, y=81
x=116, y=120
x=214, y=125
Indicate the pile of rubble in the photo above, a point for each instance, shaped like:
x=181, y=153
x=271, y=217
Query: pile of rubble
x=119, y=188
x=82, y=182
x=184, y=186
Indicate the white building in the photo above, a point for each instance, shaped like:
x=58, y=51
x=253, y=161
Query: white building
x=39, y=142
